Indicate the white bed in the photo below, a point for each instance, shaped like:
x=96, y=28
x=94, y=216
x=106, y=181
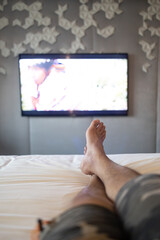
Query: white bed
x=41, y=186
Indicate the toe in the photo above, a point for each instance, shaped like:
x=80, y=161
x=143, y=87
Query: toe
x=95, y=123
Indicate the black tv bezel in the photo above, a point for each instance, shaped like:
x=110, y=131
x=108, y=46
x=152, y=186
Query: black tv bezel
x=75, y=113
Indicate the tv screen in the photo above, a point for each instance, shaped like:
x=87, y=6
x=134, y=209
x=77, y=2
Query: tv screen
x=73, y=84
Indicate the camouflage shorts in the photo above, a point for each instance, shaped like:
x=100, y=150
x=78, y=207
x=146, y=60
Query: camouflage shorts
x=85, y=222
x=138, y=205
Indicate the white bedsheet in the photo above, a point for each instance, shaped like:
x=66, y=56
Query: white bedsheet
x=42, y=186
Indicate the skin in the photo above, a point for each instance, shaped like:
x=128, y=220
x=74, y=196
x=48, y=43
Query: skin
x=96, y=162
x=107, y=177
x=39, y=75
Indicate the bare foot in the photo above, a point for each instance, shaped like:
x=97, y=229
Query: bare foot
x=95, y=136
x=101, y=134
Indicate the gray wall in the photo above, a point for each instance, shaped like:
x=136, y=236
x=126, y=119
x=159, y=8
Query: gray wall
x=138, y=132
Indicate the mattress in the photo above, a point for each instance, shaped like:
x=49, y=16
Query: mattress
x=42, y=186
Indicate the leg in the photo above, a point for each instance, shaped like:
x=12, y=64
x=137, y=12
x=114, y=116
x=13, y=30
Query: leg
x=91, y=215
x=95, y=194
x=137, y=197
x=96, y=162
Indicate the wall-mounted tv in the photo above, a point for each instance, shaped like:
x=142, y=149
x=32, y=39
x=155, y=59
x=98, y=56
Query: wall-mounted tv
x=73, y=84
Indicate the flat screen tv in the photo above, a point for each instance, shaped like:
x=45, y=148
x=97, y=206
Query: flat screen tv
x=73, y=84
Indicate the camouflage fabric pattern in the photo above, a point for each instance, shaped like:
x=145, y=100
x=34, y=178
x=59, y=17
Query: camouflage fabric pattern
x=85, y=222
x=138, y=204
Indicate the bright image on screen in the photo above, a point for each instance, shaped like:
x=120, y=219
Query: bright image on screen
x=73, y=84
